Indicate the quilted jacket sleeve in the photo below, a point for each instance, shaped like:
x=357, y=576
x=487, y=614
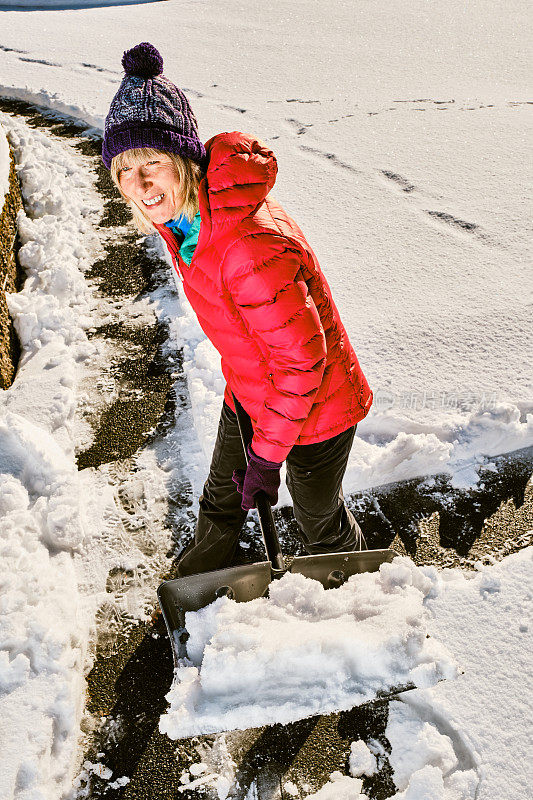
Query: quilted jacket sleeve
x=262, y=274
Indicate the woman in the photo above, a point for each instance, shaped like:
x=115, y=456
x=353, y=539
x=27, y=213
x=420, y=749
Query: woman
x=260, y=297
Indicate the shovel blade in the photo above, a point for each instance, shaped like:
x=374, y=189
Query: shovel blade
x=196, y=591
x=321, y=567
x=250, y=581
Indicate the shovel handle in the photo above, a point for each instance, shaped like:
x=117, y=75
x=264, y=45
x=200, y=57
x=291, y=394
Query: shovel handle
x=262, y=503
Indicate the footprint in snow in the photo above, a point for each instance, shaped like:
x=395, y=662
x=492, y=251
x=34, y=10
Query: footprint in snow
x=332, y=158
x=99, y=69
x=41, y=61
x=461, y=224
x=401, y=182
x=296, y=126
x=233, y=108
x=11, y=49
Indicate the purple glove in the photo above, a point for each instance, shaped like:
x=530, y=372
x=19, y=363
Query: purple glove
x=259, y=475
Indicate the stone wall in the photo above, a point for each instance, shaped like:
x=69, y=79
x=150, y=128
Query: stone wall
x=10, y=278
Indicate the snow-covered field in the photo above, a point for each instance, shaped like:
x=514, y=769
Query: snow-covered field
x=401, y=137
x=400, y=133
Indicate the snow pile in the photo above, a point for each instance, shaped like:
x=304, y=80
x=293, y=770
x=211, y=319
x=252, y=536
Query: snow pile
x=484, y=618
x=362, y=761
x=42, y=637
x=43, y=624
x=46, y=475
x=4, y=167
x=468, y=738
x=304, y=651
x=415, y=744
x=424, y=760
x=52, y=310
x=340, y=787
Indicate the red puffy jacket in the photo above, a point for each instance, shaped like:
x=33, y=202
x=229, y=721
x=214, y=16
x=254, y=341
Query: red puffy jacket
x=261, y=298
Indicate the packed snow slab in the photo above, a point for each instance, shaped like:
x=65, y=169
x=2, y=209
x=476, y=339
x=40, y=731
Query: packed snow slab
x=304, y=650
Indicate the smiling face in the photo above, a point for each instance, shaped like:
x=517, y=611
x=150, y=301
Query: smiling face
x=153, y=184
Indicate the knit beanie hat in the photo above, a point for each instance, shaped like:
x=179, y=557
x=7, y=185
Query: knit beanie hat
x=150, y=111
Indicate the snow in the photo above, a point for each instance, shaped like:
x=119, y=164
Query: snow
x=303, y=651
x=416, y=744
x=291, y=789
x=426, y=784
x=44, y=625
x=52, y=310
x=362, y=761
x=61, y=531
x=486, y=712
x=81, y=784
x=219, y=770
x=4, y=167
x=340, y=787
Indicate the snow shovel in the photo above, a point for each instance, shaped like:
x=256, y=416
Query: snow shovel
x=251, y=581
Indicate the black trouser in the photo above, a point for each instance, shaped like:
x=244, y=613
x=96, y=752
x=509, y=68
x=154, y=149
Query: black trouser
x=314, y=480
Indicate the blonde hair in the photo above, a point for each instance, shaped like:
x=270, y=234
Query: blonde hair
x=189, y=172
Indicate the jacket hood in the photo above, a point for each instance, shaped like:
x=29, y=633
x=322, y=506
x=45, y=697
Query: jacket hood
x=241, y=171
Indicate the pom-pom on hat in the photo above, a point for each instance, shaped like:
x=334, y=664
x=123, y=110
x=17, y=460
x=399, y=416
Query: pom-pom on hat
x=150, y=111
x=143, y=60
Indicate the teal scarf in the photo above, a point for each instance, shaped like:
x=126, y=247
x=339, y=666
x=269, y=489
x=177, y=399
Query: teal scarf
x=191, y=231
